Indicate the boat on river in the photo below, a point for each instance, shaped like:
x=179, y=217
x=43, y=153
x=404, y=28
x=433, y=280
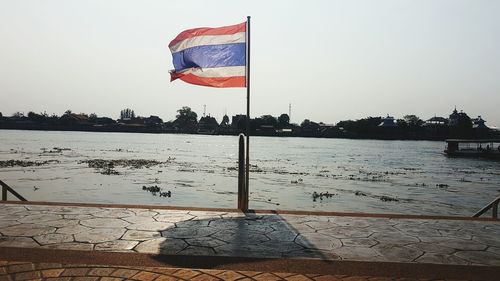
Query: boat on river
x=487, y=148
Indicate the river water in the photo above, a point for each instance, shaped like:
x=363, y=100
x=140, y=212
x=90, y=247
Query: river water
x=409, y=177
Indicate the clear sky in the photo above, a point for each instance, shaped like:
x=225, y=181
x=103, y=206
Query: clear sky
x=332, y=60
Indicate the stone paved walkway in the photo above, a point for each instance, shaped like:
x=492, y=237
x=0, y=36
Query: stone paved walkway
x=10, y=271
x=462, y=242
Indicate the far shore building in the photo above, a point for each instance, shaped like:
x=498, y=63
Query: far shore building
x=388, y=122
x=457, y=118
x=436, y=121
x=478, y=123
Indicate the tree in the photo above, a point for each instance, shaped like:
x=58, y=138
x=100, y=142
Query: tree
x=186, y=119
x=269, y=120
x=127, y=113
x=68, y=112
x=225, y=121
x=284, y=120
x=413, y=121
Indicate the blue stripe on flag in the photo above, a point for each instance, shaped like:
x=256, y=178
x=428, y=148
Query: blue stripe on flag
x=210, y=56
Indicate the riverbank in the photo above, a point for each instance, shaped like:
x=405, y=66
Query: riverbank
x=382, y=134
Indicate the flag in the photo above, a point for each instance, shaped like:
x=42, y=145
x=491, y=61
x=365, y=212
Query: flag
x=213, y=57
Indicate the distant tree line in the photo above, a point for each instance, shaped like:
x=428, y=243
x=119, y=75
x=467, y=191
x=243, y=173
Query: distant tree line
x=186, y=121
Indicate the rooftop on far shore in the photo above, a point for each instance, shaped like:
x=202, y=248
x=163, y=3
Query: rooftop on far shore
x=335, y=246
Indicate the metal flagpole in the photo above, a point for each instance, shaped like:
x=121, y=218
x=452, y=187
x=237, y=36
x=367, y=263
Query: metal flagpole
x=247, y=175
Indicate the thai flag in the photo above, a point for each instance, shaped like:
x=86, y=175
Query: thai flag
x=214, y=57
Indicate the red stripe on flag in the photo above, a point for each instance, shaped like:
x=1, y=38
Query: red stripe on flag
x=216, y=82
x=225, y=30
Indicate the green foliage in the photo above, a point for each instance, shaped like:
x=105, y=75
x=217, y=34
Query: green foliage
x=127, y=113
x=186, y=119
x=283, y=120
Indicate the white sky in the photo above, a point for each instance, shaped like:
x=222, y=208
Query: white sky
x=332, y=60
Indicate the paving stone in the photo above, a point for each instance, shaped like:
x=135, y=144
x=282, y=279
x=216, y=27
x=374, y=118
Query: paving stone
x=104, y=223
x=113, y=213
x=73, y=229
x=432, y=248
x=62, y=223
x=226, y=223
x=86, y=278
x=462, y=234
x=51, y=272
x=70, y=246
x=495, y=250
x=104, y=271
x=145, y=276
x=22, y=242
x=161, y=246
x=189, y=232
x=455, y=243
x=186, y=274
x=239, y=237
x=112, y=279
x=480, y=257
x=73, y=210
x=30, y=275
x=138, y=219
x=357, y=253
x=318, y=225
x=140, y=235
x=192, y=223
x=117, y=245
x=352, y=222
x=205, y=242
x=203, y=215
x=318, y=241
x=418, y=231
x=346, y=232
x=40, y=218
x=53, y=238
x=230, y=275
x=173, y=216
x=152, y=226
x=75, y=271
x=358, y=242
x=394, y=238
x=77, y=216
x=6, y=223
x=397, y=253
x=438, y=258
x=144, y=212
x=99, y=235
x=282, y=236
x=27, y=230
x=487, y=238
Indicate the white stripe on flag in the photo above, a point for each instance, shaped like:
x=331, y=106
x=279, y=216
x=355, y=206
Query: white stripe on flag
x=216, y=72
x=208, y=40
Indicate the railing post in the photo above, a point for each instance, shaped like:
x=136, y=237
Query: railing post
x=4, y=193
x=242, y=205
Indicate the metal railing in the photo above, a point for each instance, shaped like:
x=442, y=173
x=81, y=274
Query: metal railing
x=6, y=188
x=494, y=209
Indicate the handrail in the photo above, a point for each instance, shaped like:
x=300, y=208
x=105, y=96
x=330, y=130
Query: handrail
x=6, y=188
x=493, y=206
